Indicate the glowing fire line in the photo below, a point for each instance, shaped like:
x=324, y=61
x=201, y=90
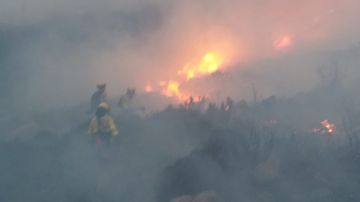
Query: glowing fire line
x=209, y=64
x=327, y=127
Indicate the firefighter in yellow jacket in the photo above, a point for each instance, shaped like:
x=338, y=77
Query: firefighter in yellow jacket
x=102, y=127
x=98, y=97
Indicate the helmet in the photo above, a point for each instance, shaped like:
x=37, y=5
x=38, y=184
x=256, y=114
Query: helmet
x=101, y=86
x=104, y=105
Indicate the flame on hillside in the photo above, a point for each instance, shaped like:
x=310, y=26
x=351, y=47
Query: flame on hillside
x=210, y=63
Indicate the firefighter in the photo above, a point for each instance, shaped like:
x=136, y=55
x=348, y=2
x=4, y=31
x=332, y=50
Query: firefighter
x=102, y=127
x=98, y=97
x=126, y=100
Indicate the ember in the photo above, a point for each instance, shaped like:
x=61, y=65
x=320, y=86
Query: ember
x=327, y=127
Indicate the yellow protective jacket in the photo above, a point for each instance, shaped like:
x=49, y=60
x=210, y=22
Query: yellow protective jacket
x=103, y=125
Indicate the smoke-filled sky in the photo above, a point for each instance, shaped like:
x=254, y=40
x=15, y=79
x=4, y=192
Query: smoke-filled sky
x=52, y=52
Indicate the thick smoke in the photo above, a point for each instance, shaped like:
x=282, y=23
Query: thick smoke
x=57, y=50
x=294, y=62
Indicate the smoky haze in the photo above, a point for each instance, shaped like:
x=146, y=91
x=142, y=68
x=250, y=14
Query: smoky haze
x=288, y=132
x=58, y=50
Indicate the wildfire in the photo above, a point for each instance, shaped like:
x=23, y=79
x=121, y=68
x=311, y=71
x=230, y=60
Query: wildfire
x=209, y=64
x=171, y=89
x=327, y=127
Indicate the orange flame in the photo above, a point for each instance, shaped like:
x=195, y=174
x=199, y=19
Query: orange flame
x=209, y=64
x=328, y=126
x=171, y=89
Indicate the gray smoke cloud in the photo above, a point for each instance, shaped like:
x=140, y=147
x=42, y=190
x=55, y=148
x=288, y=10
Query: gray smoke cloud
x=54, y=52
